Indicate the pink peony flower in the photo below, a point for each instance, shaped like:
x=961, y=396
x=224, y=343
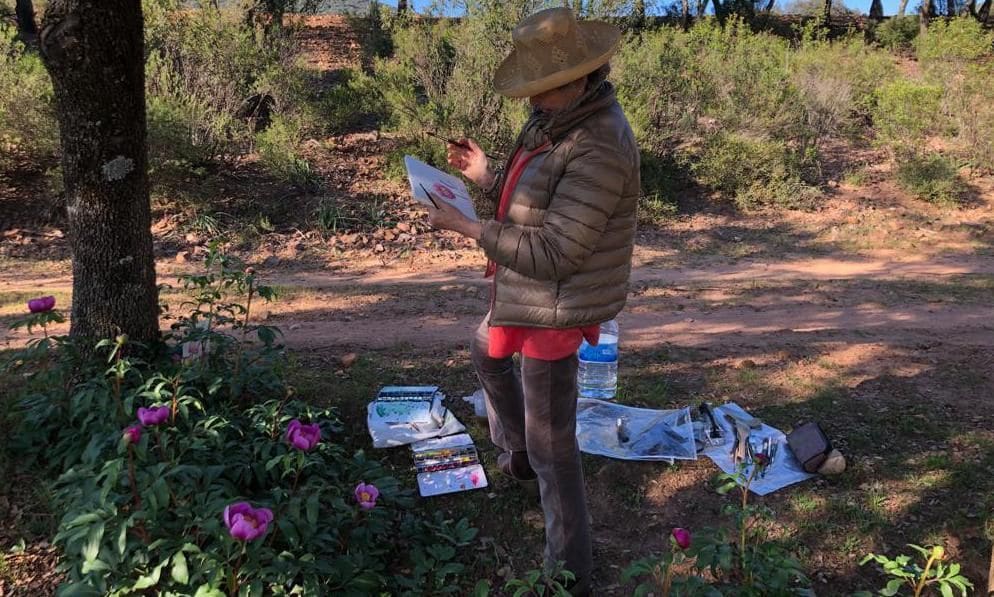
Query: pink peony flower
x=157, y=415
x=303, y=437
x=682, y=537
x=41, y=304
x=133, y=434
x=366, y=495
x=246, y=523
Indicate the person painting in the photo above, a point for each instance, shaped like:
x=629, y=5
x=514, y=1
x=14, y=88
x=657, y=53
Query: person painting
x=559, y=252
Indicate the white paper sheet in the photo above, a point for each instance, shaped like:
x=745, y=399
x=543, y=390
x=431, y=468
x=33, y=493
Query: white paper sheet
x=442, y=185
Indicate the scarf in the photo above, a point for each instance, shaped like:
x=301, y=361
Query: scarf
x=543, y=127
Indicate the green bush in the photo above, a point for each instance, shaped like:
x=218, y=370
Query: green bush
x=278, y=147
x=897, y=33
x=27, y=114
x=931, y=178
x=958, y=39
x=204, y=65
x=970, y=107
x=754, y=172
x=143, y=508
x=906, y=113
x=350, y=104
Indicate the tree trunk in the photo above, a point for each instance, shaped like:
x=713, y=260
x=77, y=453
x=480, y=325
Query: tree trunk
x=901, y=7
x=969, y=9
x=926, y=14
x=950, y=8
x=94, y=52
x=827, y=16
x=684, y=14
x=876, y=10
x=985, y=11
x=638, y=14
x=769, y=6
x=702, y=5
x=25, y=12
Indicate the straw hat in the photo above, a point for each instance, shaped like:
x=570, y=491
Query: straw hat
x=552, y=49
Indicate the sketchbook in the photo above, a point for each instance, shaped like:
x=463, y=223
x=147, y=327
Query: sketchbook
x=442, y=185
x=448, y=465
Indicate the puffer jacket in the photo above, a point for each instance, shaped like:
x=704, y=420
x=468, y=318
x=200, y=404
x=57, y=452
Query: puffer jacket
x=563, y=252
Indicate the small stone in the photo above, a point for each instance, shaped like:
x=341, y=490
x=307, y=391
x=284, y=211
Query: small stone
x=403, y=227
x=389, y=235
x=747, y=364
x=379, y=248
x=833, y=184
x=348, y=360
x=193, y=238
x=182, y=257
x=378, y=234
x=271, y=261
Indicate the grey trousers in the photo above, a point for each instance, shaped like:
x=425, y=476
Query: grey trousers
x=535, y=411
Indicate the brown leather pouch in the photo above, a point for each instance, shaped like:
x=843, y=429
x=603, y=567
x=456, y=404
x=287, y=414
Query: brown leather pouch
x=810, y=446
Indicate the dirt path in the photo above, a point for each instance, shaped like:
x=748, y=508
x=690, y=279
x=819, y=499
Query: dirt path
x=769, y=303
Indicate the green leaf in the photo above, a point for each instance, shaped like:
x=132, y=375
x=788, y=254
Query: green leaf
x=96, y=565
x=946, y=590
x=892, y=588
x=180, y=573
x=91, y=548
x=727, y=487
x=482, y=589
x=151, y=579
x=208, y=591
x=312, y=509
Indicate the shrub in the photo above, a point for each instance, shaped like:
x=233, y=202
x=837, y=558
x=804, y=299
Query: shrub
x=350, y=104
x=278, y=147
x=152, y=509
x=905, y=114
x=205, y=67
x=970, y=107
x=27, y=115
x=754, y=172
x=952, y=40
x=931, y=178
x=837, y=82
x=897, y=33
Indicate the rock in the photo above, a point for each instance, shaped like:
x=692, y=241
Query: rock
x=271, y=261
x=182, y=257
x=379, y=248
x=747, y=364
x=379, y=234
x=835, y=464
x=832, y=184
x=348, y=360
x=389, y=235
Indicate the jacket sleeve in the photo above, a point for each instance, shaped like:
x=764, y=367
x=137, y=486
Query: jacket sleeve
x=581, y=205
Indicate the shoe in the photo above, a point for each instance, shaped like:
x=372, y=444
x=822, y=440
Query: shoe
x=526, y=478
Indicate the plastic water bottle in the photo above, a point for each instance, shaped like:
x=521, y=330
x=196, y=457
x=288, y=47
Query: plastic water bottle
x=597, y=376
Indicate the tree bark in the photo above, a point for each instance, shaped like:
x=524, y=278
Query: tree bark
x=769, y=6
x=702, y=5
x=902, y=7
x=876, y=10
x=684, y=14
x=969, y=9
x=94, y=53
x=926, y=14
x=827, y=16
x=985, y=12
x=950, y=8
x=25, y=12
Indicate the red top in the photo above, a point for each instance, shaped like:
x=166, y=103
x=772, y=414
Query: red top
x=537, y=343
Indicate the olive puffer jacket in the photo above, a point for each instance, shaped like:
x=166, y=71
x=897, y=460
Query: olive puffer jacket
x=563, y=252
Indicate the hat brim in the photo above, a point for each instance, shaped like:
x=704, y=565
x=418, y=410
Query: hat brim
x=602, y=38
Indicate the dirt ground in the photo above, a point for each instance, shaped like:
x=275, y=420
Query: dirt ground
x=871, y=314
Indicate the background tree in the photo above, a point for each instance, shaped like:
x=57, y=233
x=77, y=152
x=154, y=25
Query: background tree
x=876, y=10
x=401, y=6
x=26, y=19
x=94, y=53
